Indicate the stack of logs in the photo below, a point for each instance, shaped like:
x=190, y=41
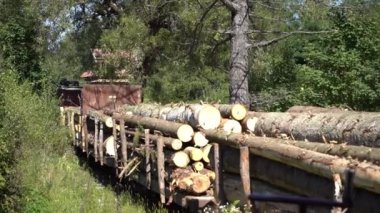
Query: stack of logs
x=188, y=132
x=190, y=148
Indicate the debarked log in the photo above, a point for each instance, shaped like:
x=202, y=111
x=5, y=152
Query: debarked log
x=196, y=115
x=353, y=128
x=367, y=175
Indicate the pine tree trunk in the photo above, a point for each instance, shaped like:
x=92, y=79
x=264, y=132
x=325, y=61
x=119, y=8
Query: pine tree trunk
x=239, y=92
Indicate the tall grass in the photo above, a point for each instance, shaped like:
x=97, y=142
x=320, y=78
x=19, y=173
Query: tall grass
x=40, y=172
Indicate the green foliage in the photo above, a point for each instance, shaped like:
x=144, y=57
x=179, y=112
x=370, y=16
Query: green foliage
x=342, y=68
x=18, y=39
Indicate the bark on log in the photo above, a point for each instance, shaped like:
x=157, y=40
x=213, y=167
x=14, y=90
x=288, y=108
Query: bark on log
x=342, y=150
x=353, y=128
x=107, y=120
x=314, y=109
x=196, y=115
x=367, y=175
x=167, y=127
x=234, y=111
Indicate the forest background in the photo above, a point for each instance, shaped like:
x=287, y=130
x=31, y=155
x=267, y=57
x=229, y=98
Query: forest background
x=300, y=52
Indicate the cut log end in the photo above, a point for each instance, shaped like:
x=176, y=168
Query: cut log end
x=238, y=112
x=200, y=140
x=195, y=154
x=209, y=117
x=109, y=122
x=176, y=144
x=181, y=159
x=200, y=184
x=231, y=126
x=206, y=152
x=185, y=133
x=198, y=166
x=249, y=124
x=109, y=144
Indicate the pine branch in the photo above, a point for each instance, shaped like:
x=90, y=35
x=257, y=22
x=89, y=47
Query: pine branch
x=275, y=40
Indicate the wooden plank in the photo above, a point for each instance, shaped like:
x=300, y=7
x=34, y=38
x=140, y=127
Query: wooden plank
x=161, y=168
x=101, y=141
x=147, y=160
x=244, y=174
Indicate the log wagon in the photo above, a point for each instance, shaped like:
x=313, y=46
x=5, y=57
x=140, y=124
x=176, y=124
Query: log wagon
x=199, y=155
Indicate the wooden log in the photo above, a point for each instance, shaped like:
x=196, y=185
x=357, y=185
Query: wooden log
x=161, y=168
x=367, y=175
x=234, y=111
x=114, y=134
x=172, y=143
x=244, y=174
x=85, y=133
x=123, y=138
x=62, y=116
x=197, y=115
x=72, y=127
x=353, y=128
x=195, y=154
x=171, y=128
x=101, y=117
x=357, y=152
x=218, y=192
x=230, y=126
x=199, y=139
x=185, y=133
x=147, y=160
x=101, y=135
x=181, y=159
x=192, y=182
x=249, y=123
x=109, y=144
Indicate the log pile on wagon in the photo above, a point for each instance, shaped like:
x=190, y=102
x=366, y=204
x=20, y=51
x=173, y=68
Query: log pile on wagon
x=183, y=141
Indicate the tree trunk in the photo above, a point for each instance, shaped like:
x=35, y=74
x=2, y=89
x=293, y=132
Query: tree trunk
x=239, y=92
x=354, y=128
